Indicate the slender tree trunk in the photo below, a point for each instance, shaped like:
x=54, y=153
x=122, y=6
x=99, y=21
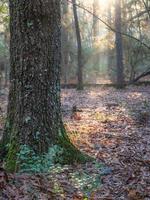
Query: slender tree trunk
x=2, y=67
x=95, y=20
x=65, y=55
x=78, y=35
x=33, y=116
x=119, y=46
x=65, y=42
x=96, y=58
x=109, y=51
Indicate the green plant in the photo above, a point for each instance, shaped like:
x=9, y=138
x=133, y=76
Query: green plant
x=29, y=161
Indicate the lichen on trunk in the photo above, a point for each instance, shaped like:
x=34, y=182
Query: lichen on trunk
x=34, y=108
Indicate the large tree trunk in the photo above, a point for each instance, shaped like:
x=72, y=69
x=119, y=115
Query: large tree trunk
x=34, y=116
x=119, y=47
x=79, y=44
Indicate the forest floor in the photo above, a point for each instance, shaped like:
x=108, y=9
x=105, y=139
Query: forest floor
x=111, y=125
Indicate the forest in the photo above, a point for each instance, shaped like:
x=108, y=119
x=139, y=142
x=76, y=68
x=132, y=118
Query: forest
x=75, y=100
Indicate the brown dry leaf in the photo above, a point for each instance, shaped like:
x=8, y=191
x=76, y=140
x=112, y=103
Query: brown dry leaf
x=3, y=178
x=76, y=116
x=135, y=195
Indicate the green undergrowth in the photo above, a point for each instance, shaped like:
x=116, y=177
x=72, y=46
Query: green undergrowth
x=85, y=177
x=81, y=179
x=23, y=158
x=28, y=161
x=51, y=163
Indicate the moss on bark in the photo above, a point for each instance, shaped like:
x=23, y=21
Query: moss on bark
x=70, y=153
x=10, y=146
x=5, y=142
x=11, y=158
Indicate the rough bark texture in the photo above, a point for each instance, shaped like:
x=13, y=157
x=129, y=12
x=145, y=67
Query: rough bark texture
x=79, y=44
x=34, y=116
x=119, y=48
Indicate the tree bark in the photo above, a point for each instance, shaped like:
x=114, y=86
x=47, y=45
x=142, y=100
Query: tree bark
x=33, y=116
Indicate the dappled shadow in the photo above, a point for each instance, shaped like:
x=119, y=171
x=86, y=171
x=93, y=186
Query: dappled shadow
x=109, y=130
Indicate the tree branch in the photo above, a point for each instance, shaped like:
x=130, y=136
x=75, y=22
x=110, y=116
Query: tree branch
x=146, y=73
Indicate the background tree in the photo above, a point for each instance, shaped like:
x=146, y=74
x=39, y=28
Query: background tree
x=96, y=34
x=65, y=41
x=136, y=56
x=4, y=44
x=79, y=46
x=110, y=46
x=119, y=47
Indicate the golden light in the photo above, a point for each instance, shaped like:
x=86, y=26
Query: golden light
x=105, y=3
x=102, y=3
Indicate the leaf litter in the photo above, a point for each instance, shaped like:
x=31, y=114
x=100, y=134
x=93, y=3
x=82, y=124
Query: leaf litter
x=111, y=125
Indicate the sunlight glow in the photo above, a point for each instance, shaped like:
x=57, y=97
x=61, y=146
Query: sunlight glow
x=104, y=3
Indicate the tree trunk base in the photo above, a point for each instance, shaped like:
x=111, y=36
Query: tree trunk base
x=68, y=154
x=11, y=157
x=80, y=87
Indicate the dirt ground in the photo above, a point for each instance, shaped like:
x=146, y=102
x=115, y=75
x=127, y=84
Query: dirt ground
x=111, y=125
